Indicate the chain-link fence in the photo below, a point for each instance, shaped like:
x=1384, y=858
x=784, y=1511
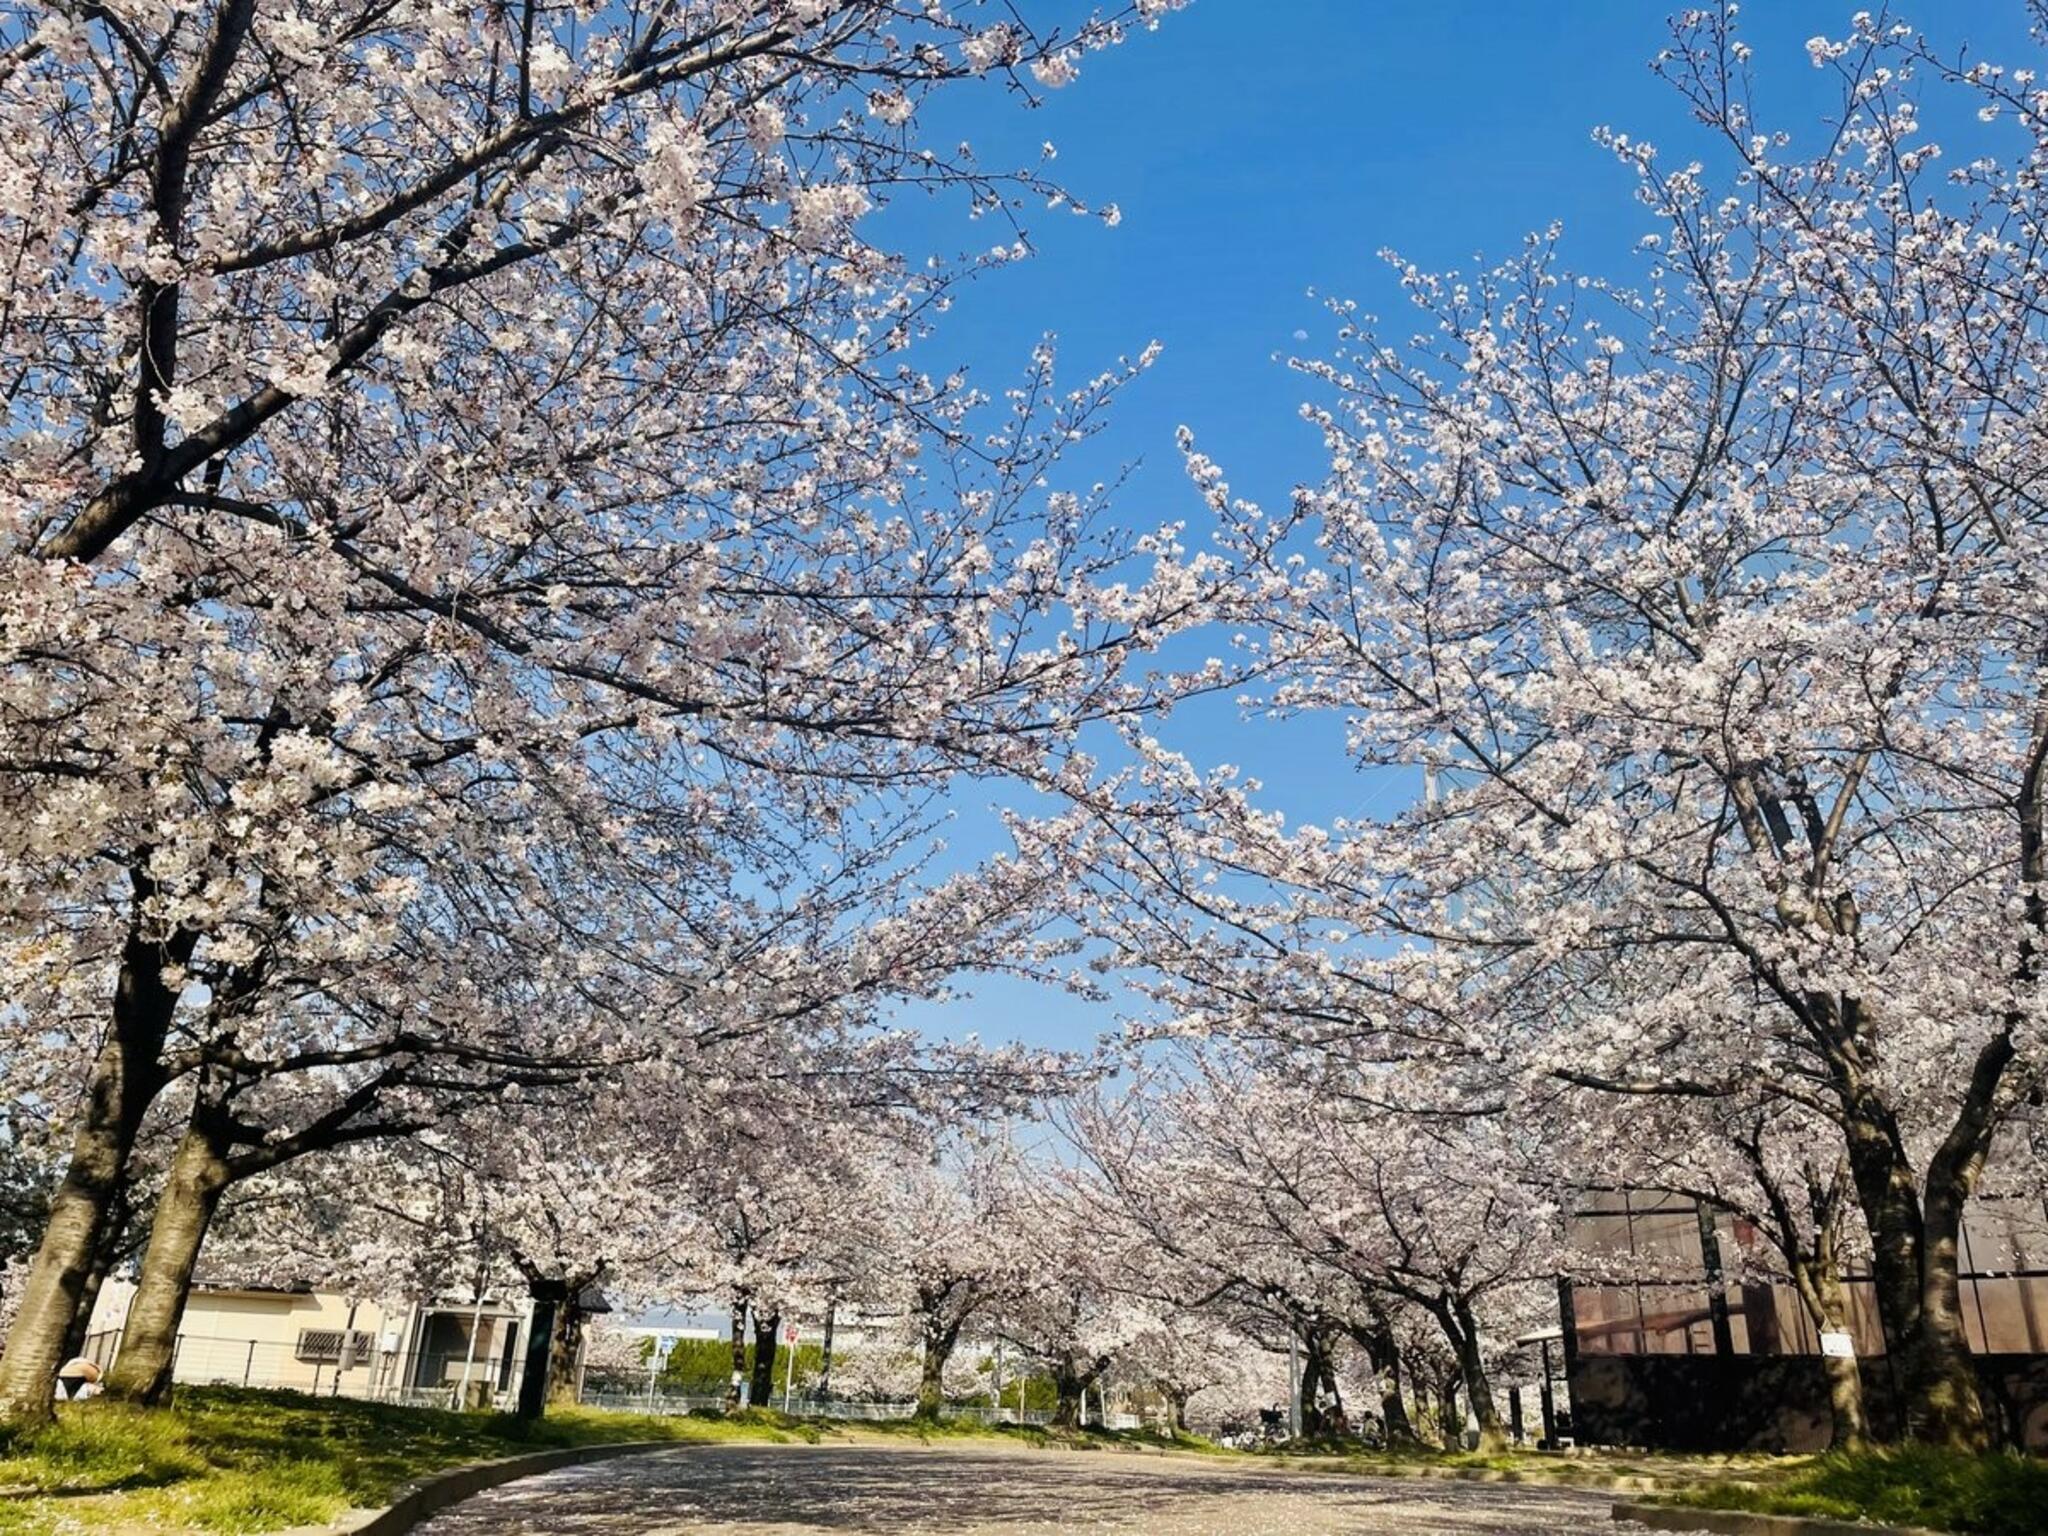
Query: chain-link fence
x=677, y=1403
x=338, y=1363
x=352, y=1363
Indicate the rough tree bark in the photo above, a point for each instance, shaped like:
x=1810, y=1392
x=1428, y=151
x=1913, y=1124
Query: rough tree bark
x=216, y=1152
x=1376, y=1338
x=113, y=1248
x=127, y=1075
x=1915, y=1238
x=198, y=1177
x=825, y=1360
x=1177, y=1401
x=1816, y=1268
x=1450, y=1422
x=767, y=1331
x=1454, y=1316
x=565, y=1348
x=739, y=1355
x=1820, y=1289
x=1322, y=1408
x=1071, y=1383
x=1493, y=1433
x=548, y=1298
x=940, y=1337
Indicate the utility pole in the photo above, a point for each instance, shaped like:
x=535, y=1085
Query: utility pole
x=824, y=1391
x=746, y=1381
x=1294, y=1384
x=346, y=1360
x=476, y=1326
x=476, y=1316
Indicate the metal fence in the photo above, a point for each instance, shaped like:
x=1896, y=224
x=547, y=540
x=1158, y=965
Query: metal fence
x=676, y=1403
x=325, y=1366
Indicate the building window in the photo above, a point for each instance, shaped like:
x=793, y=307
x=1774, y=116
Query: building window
x=1644, y=1285
x=323, y=1345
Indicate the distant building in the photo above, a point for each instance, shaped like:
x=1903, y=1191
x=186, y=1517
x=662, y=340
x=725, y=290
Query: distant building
x=851, y=1327
x=670, y=1325
x=1683, y=1342
x=442, y=1352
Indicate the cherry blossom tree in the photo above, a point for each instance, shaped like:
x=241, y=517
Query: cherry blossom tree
x=1072, y=1314
x=425, y=406
x=1195, y=1355
x=1169, y=1184
x=1768, y=1163
x=1700, y=619
x=953, y=1245
x=764, y=1030
x=1334, y=1220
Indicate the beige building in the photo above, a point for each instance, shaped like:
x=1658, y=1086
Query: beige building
x=320, y=1342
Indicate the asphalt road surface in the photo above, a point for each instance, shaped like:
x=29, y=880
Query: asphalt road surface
x=801, y=1490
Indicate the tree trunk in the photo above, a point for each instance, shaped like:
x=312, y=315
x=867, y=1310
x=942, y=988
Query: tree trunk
x=1322, y=1410
x=766, y=1331
x=127, y=1075
x=1069, y=1386
x=55, y=1286
x=1819, y=1284
x=739, y=1355
x=1177, y=1400
x=825, y=1362
x=1914, y=1274
x=1384, y=1351
x=106, y=1254
x=549, y=1296
x=931, y=1382
x=565, y=1350
x=1330, y=1400
x=1946, y=1404
x=199, y=1173
x=1450, y=1422
x=1493, y=1434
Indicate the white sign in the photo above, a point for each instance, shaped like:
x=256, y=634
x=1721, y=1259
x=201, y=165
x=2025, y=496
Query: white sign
x=1839, y=1346
x=789, y=1334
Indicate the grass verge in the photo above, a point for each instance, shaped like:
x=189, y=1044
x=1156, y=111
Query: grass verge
x=1035, y=1435
x=231, y=1461
x=1623, y=1471
x=238, y=1462
x=1992, y=1495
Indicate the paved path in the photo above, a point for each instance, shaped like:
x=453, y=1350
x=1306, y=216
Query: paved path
x=798, y=1490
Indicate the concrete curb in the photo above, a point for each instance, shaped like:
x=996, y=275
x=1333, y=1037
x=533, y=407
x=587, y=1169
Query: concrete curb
x=431, y=1495
x=1737, y=1522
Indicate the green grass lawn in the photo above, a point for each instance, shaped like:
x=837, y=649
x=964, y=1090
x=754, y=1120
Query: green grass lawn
x=230, y=1460
x=1594, y=1467
x=1033, y=1435
x=1996, y=1495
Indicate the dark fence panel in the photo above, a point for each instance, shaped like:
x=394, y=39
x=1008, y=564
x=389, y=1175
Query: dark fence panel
x=1769, y=1403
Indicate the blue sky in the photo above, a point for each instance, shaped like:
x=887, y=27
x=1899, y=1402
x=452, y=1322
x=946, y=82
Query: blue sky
x=1262, y=148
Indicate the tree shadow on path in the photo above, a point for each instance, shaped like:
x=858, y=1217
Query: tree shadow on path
x=829, y=1489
